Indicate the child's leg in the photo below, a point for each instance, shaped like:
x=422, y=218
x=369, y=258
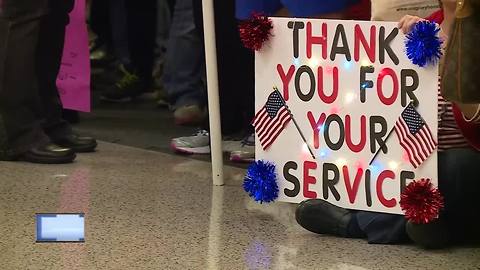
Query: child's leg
x=326, y=9
x=244, y=8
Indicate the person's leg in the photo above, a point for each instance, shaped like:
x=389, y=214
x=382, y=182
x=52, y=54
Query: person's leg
x=141, y=33
x=326, y=9
x=21, y=134
x=322, y=217
x=20, y=125
x=382, y=228
x=118, y=23
x=183, y=66
x=245, y=8
x=460, y=219
x=48, y=61
x=99, y=22
x=164, y=16
x=458, y=183
x=135, y=72
x=236, y=88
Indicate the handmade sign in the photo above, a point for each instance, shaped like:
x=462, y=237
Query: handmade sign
x=73, y=80
x=353, y=121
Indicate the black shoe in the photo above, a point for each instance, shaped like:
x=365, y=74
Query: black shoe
x=70, y=116
x=126, y=89
x=77, y=143
x=49, y=154
x=433, y=235
x=322, y=217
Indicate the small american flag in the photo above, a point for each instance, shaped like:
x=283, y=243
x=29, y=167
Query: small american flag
x=415, y=136
x=270, y=121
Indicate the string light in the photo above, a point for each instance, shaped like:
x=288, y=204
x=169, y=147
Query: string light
x=405, y=156
x=393, y=165
x=359, y=164
x=364, y=86
x=313, y=62
x=323, y=153
x=349, y=98
x=334, y=110
x=321, y=128
x=347, y=65
x=375, y=168
x=329, y=70
x=366, y=63
x=341, y=162
x=296, y=62
x=305, y=148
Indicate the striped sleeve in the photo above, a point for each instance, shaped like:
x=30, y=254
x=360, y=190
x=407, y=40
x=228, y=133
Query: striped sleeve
x=449, y=134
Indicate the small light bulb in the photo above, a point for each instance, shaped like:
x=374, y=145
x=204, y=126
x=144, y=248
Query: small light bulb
x=313, y=62
x=347, y=64
x=393, y=165
x=341, y=162
x=321, y=128
x=349, y=97
x=296, y=62
x=366, y=63
x=305, y=147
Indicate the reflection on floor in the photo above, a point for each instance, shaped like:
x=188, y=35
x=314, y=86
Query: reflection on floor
x=148, y=210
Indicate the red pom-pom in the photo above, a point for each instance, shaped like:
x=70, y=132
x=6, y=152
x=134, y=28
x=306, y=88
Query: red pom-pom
x=255, y=31
x=421, y=202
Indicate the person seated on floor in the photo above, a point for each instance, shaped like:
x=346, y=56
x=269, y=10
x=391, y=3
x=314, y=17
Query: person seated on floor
x=458, y=181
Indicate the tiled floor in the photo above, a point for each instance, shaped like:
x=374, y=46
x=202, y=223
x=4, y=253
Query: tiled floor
x=148, y=210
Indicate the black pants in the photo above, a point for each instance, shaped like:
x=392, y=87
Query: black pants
x=235, y=68
x=458, y=182
x=142, y=21
x=31, y=45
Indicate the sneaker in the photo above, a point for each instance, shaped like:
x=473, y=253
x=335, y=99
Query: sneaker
x=105, y=78
x=245, y=150
x=99, y=56
x=161, y=98
x=199, y=143
x=126, y=89
x=189, y=115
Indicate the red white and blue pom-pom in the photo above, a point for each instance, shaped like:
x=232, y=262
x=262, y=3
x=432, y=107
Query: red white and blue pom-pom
x=423, y=45
x=421, y=202
x=255, y=31
x=261, y=181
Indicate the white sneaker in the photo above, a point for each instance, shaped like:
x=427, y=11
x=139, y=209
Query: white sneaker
x=245, y=150
x=198, y=143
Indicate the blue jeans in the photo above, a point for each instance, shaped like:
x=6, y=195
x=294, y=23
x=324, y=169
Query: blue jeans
x=163, y=26
x=298, y=8
x=183, y=74
x=459, y=184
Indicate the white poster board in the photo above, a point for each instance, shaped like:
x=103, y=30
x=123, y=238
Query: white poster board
x=307, y=59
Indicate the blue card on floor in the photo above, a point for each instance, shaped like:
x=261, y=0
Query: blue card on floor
x=60, y=227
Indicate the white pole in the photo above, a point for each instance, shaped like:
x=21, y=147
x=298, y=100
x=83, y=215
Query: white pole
x=212, y=86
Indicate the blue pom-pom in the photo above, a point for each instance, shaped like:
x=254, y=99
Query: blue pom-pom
x=423, y=44
x=261, y=181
